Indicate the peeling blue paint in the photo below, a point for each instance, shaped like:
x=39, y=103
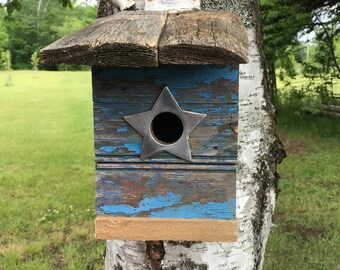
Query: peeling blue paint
x=218, y=123
x=134, y=147
x=205, y=95
x=234, y=97
x=147, y=204
x=208, y=110
x=108, y=149
x=186, y=77
x=227, y=130
x=122, y=130
x=131, y=147
x=233, y=109
x=215, y=210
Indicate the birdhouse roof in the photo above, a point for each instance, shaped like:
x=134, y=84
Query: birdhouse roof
x=150, y=38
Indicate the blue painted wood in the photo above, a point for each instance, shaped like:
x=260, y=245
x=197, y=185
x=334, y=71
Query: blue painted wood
x=165, y=186
x=212, y=90
x=167, y=193
x=188, y=84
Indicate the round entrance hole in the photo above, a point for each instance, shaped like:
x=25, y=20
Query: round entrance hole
x=167, y=128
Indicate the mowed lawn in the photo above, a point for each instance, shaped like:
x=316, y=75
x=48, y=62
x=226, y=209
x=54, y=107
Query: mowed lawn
x=306, y=232
x=47, y=180
x=47, y=172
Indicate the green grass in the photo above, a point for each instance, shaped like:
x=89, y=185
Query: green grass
x=307, y=217
x=47, y=181
x=46, y=172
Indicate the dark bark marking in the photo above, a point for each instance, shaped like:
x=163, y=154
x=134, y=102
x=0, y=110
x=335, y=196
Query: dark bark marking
x=106, y=8
x=187, y=244
x=118, y=267
x=188, y=264
x=155, y=252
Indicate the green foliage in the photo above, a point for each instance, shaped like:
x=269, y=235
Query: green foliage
x=40, y=23
x=16, y=5
x=299, y=51
x=4, y=38
x=283, y=20
x=35, y=61
x=46, y=173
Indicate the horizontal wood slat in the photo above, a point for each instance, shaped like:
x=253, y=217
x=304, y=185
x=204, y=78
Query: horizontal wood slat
x=189, y=84
x=146, y=190
x=135, y=38
x=147, y=229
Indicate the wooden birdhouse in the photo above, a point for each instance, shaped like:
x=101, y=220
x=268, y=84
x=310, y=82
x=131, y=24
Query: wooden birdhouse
x=165, y=98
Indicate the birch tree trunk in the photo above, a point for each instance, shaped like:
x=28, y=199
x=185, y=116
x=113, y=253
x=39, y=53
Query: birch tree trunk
x=259, y=153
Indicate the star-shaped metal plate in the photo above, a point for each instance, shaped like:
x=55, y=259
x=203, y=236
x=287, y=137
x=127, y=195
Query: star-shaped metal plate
x=146, y=123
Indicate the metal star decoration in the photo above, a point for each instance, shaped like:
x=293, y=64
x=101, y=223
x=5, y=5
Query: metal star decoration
x=166, y=127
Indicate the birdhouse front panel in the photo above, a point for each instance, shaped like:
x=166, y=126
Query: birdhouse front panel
x=196, y=180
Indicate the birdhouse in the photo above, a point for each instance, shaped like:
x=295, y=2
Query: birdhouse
x=165, y=99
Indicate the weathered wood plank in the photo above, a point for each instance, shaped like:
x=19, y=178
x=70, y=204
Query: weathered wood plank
x=147, y=229
x=217, y=145
x=203, y=37
x=188, y=84
x=218, y=114
x=123, y=39
x=171, y=192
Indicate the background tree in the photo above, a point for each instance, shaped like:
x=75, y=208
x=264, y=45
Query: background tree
x=6, y=63
x=35, y=61
x=284, y=19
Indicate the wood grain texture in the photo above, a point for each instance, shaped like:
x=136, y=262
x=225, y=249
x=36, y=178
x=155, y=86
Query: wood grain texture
x=212, y=90
x=147, y=229
x=134, y=39
x=203, y=37
x=166, y=191
x=123, y=39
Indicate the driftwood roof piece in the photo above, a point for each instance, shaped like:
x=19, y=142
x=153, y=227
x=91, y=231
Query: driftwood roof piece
x=124, y=39
x=147, y=38
x=204, y=37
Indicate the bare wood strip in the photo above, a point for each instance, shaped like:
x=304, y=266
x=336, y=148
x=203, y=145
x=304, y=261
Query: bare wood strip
x=124, y=228
x=124, y=39
x=203, y=37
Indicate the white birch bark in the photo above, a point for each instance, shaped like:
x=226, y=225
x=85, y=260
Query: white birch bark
x=259, y=153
